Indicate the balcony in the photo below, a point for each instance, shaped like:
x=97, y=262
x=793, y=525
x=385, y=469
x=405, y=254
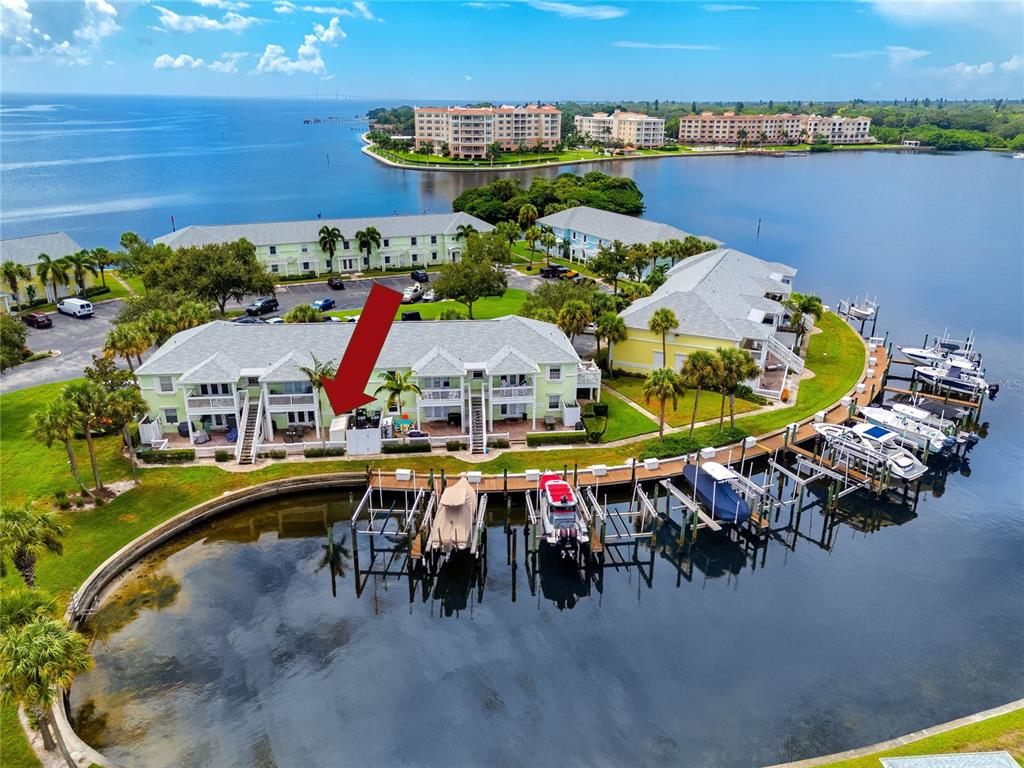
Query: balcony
x=440, y=397
x=511, y=394
x=290, y=402
x=210, y=404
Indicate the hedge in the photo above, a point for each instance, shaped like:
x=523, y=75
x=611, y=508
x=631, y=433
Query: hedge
x=555, y=438
x=500, y=443
x=96, y=290
x=679, y=444
x=455, y=445
x=222, y=455
x=420, y=447
x=276, y=453
x=173, y=456
x=316, y=453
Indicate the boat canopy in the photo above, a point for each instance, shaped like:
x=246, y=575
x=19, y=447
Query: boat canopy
x=559, y=493
x=717, y=471
x=454, y=518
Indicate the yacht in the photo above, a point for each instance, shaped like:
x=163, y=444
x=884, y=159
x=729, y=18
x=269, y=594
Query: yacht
x=912, y=431
x=564, y=525
x=936, y=355
x=936, y=417
x=952, y=376
x=867, y=444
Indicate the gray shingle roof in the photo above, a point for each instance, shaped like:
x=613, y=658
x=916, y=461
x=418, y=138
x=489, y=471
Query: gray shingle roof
x=286, y=232
x=712, y=295
x=241, y=346
x=26, y=250
x=614, y=226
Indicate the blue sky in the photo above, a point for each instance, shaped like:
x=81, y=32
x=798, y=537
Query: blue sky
x=517, y=49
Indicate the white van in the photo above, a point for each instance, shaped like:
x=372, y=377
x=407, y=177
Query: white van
x=75, y=307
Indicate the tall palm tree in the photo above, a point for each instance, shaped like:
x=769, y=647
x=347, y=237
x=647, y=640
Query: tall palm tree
x=532, y=235
x=573, y=318
x=89, y=402
x=37, y=662
x=800, y=305
x=52, y=271
x=368, y=239
x=161, y=324
x=12, y=272
x=548, y=241
x=656, y=250
x=190, y=314
x=25, y=533
x=738, y=366
x=612, y=329
x=23, y=605
x=141, y=339
x=463, y=231
x=124, y=406
x=103, y=259
x=702, y=370
x=329, y=239
x=396, y=384
x=315, y=374
x=122, y=339
x=81, y=264
x=57, y=421
x=527, y=216
x=662, y=322
x=663, y=385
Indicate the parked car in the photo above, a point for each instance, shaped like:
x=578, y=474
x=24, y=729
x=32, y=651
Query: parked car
x=412, y=293
x=569, y=274
x=322, y=305
x=548, y=272
x=335, y=282
x=420, y=275
x=430, y=295
x=352, y=319
x=38, y=320
x=583, y=280
x=262, y=305
x=274, y=320
x=75, y=307
x=333, y=319
x=411, y=316
x=249, y=320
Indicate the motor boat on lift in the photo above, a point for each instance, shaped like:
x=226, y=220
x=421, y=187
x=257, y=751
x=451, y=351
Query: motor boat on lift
x=564, y=525
x=453, y=520
x=913, y=431
x=865, y=444
x=713, y=484
x=937, y=355
x=864, y=310
x=935, y=418
x=956, y=378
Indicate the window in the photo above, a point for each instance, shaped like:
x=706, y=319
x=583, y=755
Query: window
x=344, y=245
x=415, y=257
x=328, y=265
x=433, y=239
x=412, y=241
x=386, y=242
x=274, y=268
x=252, y=381
x=478, y=374
x=305, y=249
x=555, y=373
x=553, y=402
x=346, y=264
x=680, y=360
x=171, y=415
x=659, y=360
x=387, y=259
x=433, y=255
x=366, y=261
x=305, y=266
x=165, y=384
x=273, y=250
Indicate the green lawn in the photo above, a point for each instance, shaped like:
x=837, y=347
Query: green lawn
x=624, y=420
x=484, y=309
x=1005, y=732
x=135, y=281
x=708, y=407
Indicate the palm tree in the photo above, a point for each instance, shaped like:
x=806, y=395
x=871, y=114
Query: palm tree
x=141, y=338
x=24, y=534
x=190, y=314
x=396, y=384
x=573, y=318
x=663, y=385
x=527, y=216
x=12, y=272
x=54, y=271
x=532, y=235
x=702, y=370
x=124, y=406
x=161, y=324
x=662, y=321
x=329, y=239
x=656, y=250
x=102, y=259
x=463, y=231
x=37, y=662
x=122, y=340
x=634, y=291
x=315, y=374
x=89, y=403
x=549, y=241
x=23, y=605
x=738, y=366
x=508, y=230
x=80, y=264
x=368, y=239
x=612, y=329
x=741, y=134
x=302, y=313
x=800, y=305
x=55, y=421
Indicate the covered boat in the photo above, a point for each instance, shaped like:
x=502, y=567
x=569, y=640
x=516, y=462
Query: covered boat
x=715, y=491
x=453, y=520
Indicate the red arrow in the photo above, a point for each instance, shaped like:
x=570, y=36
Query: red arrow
x=346, y=390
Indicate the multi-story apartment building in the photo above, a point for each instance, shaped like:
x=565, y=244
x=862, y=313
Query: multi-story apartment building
x=471, y=373
x=631, y=128
x=293, y=247
x=26, y=252
x=469, y=131
x=730, y=128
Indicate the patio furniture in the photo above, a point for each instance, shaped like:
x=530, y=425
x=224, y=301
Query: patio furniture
x=182, y=429
x=549, y=422
x=232, y=435
x=201, y=437
x=455, y=419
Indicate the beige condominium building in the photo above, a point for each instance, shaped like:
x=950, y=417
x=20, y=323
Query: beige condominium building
x=468, y=131
x=631, y=128
x=708, y=128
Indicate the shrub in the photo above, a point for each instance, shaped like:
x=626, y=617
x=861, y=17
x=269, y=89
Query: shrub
x=600, y=409
x=222, y=455
x=743, y=392
x=62, y=500
x=417, y=447
x=726, y=436
x=174, y=456
x=275, y=453
x=670, y=445
x=455, y=445
x=501, y=443
x=96, y=290
x=80, y=501
x=317, y=453
x=98, y=501
x=555, y=438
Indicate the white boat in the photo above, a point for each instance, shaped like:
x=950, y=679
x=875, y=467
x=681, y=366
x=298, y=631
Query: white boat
x=952, y=376
x=564, y=525
x=910, y=430
x=935, y=417
x=869, y=444
x=1018, y=155
x=864, y=310
x=936, y=355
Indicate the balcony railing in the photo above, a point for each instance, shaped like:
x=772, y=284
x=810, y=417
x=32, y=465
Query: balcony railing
x=285, y=402
x=435, y=396
x=499, y=394
x=215, y=403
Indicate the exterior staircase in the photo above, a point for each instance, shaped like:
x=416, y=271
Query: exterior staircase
x=252, y=420
x=477, y=429
x=786, y=355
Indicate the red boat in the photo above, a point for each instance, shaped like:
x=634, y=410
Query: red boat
x=559, y=508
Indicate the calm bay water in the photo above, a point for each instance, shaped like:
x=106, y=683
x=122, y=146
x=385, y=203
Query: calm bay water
x=241, y=656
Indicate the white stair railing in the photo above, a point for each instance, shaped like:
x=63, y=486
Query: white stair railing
x=257, y=433
x=788, y=356
x=241, y=427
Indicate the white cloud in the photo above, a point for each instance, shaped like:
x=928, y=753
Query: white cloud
x=284, y=6
x=332, y=34
x=1014, y=64
x=308, y=59
x=901, y=54
x=231, y=21
x=224, y=5
x=485, y=6
x=858, y=55
x=725, y=8
x=571, y=11
x=359, y=9
x=915, y=12
x=468, y=77
x=665, y=46
x=99, y=20
x=227, y=63
x=24, y=40
x=964, y=70
x=363, y=10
